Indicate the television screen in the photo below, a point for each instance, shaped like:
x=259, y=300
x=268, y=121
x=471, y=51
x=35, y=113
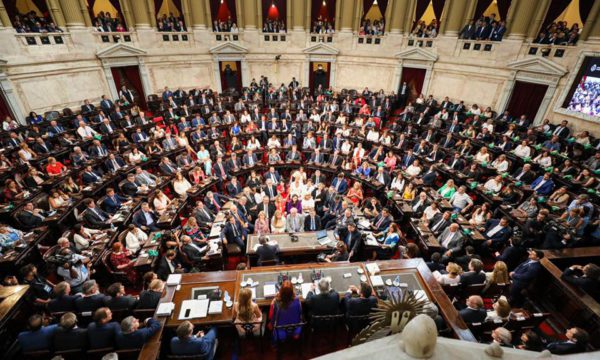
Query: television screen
x=584, y=96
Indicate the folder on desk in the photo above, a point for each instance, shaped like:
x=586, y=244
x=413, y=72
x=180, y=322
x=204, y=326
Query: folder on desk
x=165, y=309
x=191, y=309
x=174, y=279
x=269, y=290
x=215, y=307
x=321, y=234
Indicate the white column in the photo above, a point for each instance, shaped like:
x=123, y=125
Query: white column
x=11, y=99
x=144, y=77
x=110, y=80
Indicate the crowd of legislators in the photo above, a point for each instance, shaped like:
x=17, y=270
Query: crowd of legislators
x=559, y=33
x=32, y=23
x=225, y=26
x=273, y=26
x=372, y=27
x=423, y=30
x=353, y=134
x=484, y=28
x=105, y=22
x=321, y=26
x=170, y=23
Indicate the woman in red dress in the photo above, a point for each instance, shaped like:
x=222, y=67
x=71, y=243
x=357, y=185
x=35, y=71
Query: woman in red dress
x=55, y=168
x=120, y=261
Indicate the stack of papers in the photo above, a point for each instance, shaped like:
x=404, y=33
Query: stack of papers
x=306, y=287
x=165, y=309
x=174, y=279
x=376, y=280
x=372, y=268
x=191, y=309
x=215, y=307
x=269, y=290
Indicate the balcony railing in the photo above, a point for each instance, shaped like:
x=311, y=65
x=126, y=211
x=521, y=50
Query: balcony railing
x=226, y=36
x=420, y=42
x=477, y=45
x=274, y=37
x=547, y=50
x=114, y=37
x=175, y=37
x=42, y=39
x=321, y=38
x=369, y=39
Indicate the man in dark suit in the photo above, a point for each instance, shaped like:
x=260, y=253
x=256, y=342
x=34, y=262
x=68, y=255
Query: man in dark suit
x=475, y=275
x=524, y=174
x=149, y=298
x=562, y=131
x=194, y=251
x=456, y=162
x=327, y=302
x=87, y=108
x=353, y=239
x=94, y=216
x=145, y=218
x=63, y=300
x=42, y=147
x=203, y=215
x=114, y=163
x=266, y=251
x=523, y=275
x=359, y=303
x=496, y=233
x=113, y=201
x=451, y=241
x=468, y=31
x=102, y=331
x=132, y=336
x=576, y=342
x=587, y=278
x=201, y=345
x=68, y=336
x=267, y=206
x=233, y=234
x=106, y=104
x=119, y=300
x=234, y=187
x=91, y=176
x=474, y=312
x=336, y=159
x=107, y=127
x=439, y=223
x=340, y=184
x=312, y=222
x=318, y=178
x=382, y=221
x=131, y=186
x=38, y=337
x=92, y=299
x=270, y=189
x=167, y=167
x=30, y=216
x=168, y=265
x=213, y=202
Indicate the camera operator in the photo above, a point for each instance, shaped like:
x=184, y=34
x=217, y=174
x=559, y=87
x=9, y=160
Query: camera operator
x=75, y=269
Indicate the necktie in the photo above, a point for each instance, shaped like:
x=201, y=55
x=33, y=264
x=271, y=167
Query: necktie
x=312, y=223
x=102, y=218
x=380, y=222
x=216, y=204
x=235, y=231
x=116, y=165
x=271, y=195
x=436, y=226
x=222, y=170
x=114, y=200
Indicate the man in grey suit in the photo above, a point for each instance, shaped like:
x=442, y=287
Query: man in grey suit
x=451, y=241
x=294, y=222
x=145, y=178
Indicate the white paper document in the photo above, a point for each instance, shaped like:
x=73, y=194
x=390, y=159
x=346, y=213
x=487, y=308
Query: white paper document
x=191, y=309
x=165, y=309
x=372, y=268
x=215, y=307
x=174, y=279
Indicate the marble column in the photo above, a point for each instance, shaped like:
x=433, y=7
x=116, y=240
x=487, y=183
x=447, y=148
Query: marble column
x=4, y=18
x=540, y=15
x=454, y=20
x=240, y=7
x=409, y=16
x=347, y=16
x=73, y=16
x=444, y=17
x=591, y=22
x=198, y=15
x=358, y=13
x=523, y=13
x=594, y=33
x=298, y=14
x=151, y=14
x=57, y=14
x=126, y=11
x=140, y=14
x=469, y=11
x=250, y=11
x=398, y=16
x=83, y=7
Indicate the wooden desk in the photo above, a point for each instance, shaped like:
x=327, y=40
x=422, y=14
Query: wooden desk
x=226, y=280
x=13, y=313
x=307, y=243
x=427, y=239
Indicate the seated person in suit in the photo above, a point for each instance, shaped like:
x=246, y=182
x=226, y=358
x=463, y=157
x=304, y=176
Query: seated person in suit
x=475, y=275
x=113, y=201
x=543, y=185
x=119, y=300
x=131, y=336
x=145, y=218
x=199, y=344
x=92, y=299
x=233, y=233
x=502, y=337
x=434, y=264
x=63, y=300
x=94, y=216
x=168, y=265
x=102, y=331
x=68, y=336
x=587, y=278
x=359, y=303
x=195, y=251
x=576, y=342
x=474, y=312
x=149, y=298
x=326, y=302
x=266, y=251
x=38, y=337
x=497, y=233
x=30, y=216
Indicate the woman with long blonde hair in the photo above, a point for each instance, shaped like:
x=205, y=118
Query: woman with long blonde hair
x=246, y=311
x=499, y=274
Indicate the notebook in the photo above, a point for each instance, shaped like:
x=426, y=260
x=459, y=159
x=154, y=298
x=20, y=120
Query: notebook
x=215, y=307
x=321, y=234
x=174, y=279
